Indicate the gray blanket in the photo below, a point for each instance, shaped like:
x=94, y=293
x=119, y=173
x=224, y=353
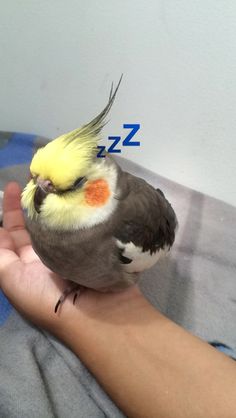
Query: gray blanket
x=195, y=286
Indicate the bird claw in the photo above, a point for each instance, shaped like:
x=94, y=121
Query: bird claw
x=73, y=287
x=75, y=297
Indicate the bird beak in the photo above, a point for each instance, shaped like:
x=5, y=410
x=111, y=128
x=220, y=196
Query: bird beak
x=39, y=196
x=44, y=187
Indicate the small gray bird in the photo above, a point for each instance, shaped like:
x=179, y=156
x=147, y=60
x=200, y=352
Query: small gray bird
x=92, y=223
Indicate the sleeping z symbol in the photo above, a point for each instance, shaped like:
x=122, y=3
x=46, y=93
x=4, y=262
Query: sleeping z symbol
x=116, y=139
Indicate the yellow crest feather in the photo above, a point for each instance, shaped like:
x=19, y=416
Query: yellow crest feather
x=69, y=156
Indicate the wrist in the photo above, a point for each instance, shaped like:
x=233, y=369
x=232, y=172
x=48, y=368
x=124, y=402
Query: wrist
x=98, y=315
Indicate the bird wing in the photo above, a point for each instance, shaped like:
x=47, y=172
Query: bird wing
x=147, y=223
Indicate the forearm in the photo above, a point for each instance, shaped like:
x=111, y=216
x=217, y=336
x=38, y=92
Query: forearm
x=150, y=366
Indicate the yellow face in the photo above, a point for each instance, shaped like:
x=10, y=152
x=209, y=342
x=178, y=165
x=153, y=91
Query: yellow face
x=66, y=204
x=63, y=160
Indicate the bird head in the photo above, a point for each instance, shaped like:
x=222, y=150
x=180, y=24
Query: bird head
x=70, y=187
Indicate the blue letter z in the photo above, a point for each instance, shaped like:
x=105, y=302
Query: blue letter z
x=101, y=148
x=134, y=129
x=115, y=140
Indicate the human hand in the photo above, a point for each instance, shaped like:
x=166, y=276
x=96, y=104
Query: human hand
x=30, y=286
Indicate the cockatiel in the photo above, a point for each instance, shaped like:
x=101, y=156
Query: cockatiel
x=89, y=221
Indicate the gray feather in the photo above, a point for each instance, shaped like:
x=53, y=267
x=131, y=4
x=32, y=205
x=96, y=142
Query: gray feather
x=91, y=257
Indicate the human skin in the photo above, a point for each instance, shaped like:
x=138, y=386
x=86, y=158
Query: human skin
x=149, y=366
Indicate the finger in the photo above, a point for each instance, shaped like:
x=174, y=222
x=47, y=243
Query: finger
x=13, y=216
x=27, y=254
x=6, y=241
x=13, y=219
x=14, y=222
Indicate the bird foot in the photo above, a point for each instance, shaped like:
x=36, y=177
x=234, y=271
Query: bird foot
x=74, y=287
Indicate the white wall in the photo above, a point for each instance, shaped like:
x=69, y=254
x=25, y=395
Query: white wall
x=178, y=57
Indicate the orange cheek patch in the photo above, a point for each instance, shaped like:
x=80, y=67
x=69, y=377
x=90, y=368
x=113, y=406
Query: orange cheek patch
x=97, y=193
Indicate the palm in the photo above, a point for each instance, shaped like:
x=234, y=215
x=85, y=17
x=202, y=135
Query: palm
x=37, y=286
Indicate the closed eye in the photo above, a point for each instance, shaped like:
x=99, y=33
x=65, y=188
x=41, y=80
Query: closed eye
x=78, y=183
